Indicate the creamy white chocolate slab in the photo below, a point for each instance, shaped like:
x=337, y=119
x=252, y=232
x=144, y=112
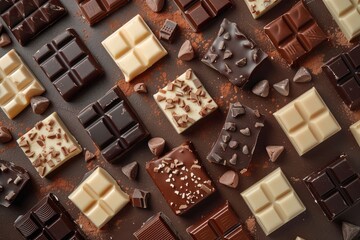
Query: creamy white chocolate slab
x=307, y=121
x=17, y=84
x=49, y=144
x=273, y=201
x=347, y=15
x=134, y=48
x=355, y=130
x=99, y=197
x=258, y=8
x=185, y=101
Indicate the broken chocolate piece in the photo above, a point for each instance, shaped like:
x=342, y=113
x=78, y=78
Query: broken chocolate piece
x=262, y=88
x=39, y=104
x=5, y=40
x=140, y=88
x=5, y=135
x=274, y=152
x=140, y=198
x=186, y=52
x=230, y=179
x=155, y=5
x=168, y=30
x=350, y=231
x=89, y=156
x=156, y=145
x=282, y=87
x=131, y=170
x=302, y=76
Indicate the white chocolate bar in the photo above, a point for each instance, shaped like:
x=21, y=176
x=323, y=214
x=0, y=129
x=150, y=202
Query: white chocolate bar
x=355, y=130
x=307, y=121
x=258, y=8
x=134, y=48
x=17, y=84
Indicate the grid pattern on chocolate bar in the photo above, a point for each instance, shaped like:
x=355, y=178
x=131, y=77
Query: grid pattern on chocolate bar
x=307, y=121
x=27, y=18
x=347, y=15
x=96, y=10
x=273, y=201
x=68, y=63
x=17, y=84
x=344, y=73
x=48, y=220
x=200, y=12
x=295, y=33
x=335, y=188
x=113, y=125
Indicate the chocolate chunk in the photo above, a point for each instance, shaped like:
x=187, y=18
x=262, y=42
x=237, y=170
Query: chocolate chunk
x=39, y=104
x=5, y=40
x=89, y=156
x=233, y=144
x=230, y=126
x=140, y=88
x=245, y=131
x=262, y=88
x=274, y=152
x=186, y=52
x=5, y=135
x=233, y=159
x=302, y=76
x=155, y=5
x=169, y=30
x=156, y=145
x=350, y=231
x=131, y=170
x=245, y=150
x=230, y=179
x=140, y=198
x=282, y=87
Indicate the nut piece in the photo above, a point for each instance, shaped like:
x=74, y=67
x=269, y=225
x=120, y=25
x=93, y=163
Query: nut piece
x=230, y=179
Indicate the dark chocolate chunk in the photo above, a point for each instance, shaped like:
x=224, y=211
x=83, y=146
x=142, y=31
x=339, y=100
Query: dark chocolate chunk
x=39, y=104
x=96, y=10
x=140, y=88
x=131, y=170
x=233, y=55
x=113, y=125
x=140, y=198
x=262, y=88
x=282, y=87
x=155, y=5
x=223, y=223
x=156, y=145
x=302, y=76
x=350, y=231
x=5, y=135
x=230, y=179
x=240, y=128
x=186, y=52
x=274, y=152
x=68, y=63
x=343, y=72
x=157, y=227
x=198, y=13
x=26, y=18
x=89, y=156
x=336, y=188
x=295, y=33
x=48, y=219
x=168, y=30
x=4, y=39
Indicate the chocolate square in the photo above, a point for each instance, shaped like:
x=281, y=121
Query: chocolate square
x=113, y=125
x=181, y=178
x=68, y=63
x=336, y=188
x=233, y=55
x=343, y=72
x=295, y=33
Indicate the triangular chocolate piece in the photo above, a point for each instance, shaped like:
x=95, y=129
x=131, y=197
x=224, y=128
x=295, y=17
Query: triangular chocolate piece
x=282, y=87
x=131, y=170
x=274, y=152
x=350, y=231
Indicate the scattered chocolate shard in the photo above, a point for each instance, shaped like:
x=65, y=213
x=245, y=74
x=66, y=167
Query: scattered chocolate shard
x=140, y=198
x=233, y=159
x=245, y=131
x=230, y=179
x=131, y=170
x=282, y=87
x=169, y=30
x=262, y=88
x=302, y=75
x=227, y=54
x=140, y=88
x=89, y=156
x=5, y=40
x=186, y=52
x=274, y=152
x=156, y=145
x=245, y=150
x=155, y=5
x=5, y=135
x=350, y=231
x=39, y=104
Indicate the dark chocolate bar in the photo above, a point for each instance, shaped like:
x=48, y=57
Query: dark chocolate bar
x=113, y=125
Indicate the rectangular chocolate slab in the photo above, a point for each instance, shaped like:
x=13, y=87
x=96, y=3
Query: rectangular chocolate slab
x=27, y=18
x=343, y=72
x=181, y=178
x=113, y=125
x=68, y=63
x=336, y=188
x=48, y=219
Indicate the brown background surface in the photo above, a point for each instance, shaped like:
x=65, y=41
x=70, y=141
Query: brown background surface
x=309, y=225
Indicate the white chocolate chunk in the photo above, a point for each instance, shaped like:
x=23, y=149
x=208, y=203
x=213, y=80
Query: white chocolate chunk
x=258, y=8
x=355, y=130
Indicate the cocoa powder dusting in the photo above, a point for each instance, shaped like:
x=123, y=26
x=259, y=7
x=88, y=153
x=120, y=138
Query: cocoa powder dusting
x=251, y=224
x=58, y=185
x=338, y=38
x=314, y=63
x=88, y=228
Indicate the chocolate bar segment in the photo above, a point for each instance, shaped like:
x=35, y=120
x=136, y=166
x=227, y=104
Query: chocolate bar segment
x=12, y=180
x=234, y=55
x=355, y=130
x=295, y=33
x=27, y=18
x=113, y=125
x=68, y=63
x=223, y=223
x=336, y=188
x=96, y=10
x=181, y=178
x=237, y=140
x=48, y=219
x=259, y=7
x=198, y=13
x=343, y=72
